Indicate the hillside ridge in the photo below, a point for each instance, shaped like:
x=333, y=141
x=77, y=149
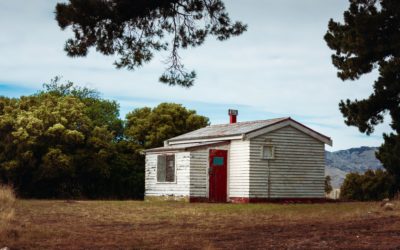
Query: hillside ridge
x=341, y=162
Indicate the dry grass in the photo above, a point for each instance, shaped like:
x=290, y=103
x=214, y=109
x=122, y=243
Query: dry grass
x=168, y=225
x=7, y=207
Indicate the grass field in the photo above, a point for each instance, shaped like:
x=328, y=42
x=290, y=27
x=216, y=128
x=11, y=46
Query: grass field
x=154, y=225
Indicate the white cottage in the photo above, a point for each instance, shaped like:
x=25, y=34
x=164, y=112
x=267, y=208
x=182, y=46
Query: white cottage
x=254, y=161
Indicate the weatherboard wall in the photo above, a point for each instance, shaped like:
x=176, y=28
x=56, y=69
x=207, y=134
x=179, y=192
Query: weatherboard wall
x=179, y=188
x=199, y=165
x=297, y=170
x=238, y=169
x=191, y=174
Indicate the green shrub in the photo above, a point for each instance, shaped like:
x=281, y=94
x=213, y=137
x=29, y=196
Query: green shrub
x=372, y=185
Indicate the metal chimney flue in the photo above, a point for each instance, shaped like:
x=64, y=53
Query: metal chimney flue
x=232, y=115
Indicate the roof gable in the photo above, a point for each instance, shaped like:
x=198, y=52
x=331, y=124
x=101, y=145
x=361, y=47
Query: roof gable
x=244, y=130
x=290, y=122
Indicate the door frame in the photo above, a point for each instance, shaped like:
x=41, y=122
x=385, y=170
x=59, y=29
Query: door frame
x=227, y=173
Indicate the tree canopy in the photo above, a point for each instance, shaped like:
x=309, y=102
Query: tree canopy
x=68, y=142
x=135, y=30
x=150, y=127
x=369, y=39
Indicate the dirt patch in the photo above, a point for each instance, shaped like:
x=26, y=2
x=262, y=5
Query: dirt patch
x=373, y=234
x=143, y=225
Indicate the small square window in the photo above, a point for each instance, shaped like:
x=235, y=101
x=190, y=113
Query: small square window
x=268, y=152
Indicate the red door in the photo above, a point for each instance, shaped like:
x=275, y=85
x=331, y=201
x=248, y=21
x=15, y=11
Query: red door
x=218, y=175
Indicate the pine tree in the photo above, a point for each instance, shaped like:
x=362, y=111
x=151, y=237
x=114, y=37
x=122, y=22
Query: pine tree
x=135, y=30
x=369, y=39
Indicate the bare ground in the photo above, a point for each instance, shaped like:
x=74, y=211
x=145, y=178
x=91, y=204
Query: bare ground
x=171, y=225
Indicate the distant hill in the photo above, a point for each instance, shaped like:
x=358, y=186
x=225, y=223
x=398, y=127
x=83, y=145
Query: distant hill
x=339, y=163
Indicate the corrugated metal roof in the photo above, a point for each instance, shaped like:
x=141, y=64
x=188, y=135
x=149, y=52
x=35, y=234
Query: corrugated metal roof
x=183, y=146
x=222, y=130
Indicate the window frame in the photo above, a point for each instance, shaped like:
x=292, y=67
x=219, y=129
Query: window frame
x=272, y=149
x=175, y=164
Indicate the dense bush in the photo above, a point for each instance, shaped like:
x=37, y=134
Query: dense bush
x=372, y=185
x=67, y=142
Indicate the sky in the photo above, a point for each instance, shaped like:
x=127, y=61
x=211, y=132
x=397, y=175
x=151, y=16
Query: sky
x=280, y=67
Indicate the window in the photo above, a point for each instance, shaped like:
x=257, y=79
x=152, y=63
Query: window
x=268, y=152
x=218, y=161
x=166, y=168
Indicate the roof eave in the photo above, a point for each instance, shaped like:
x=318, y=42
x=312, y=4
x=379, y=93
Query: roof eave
x=183, y=149
x=293, y=123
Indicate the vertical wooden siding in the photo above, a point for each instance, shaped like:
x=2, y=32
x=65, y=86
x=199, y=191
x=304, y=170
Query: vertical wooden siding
x=296, y=171
x=181, y=185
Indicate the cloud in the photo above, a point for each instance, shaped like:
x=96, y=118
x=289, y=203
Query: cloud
x=280, y=67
